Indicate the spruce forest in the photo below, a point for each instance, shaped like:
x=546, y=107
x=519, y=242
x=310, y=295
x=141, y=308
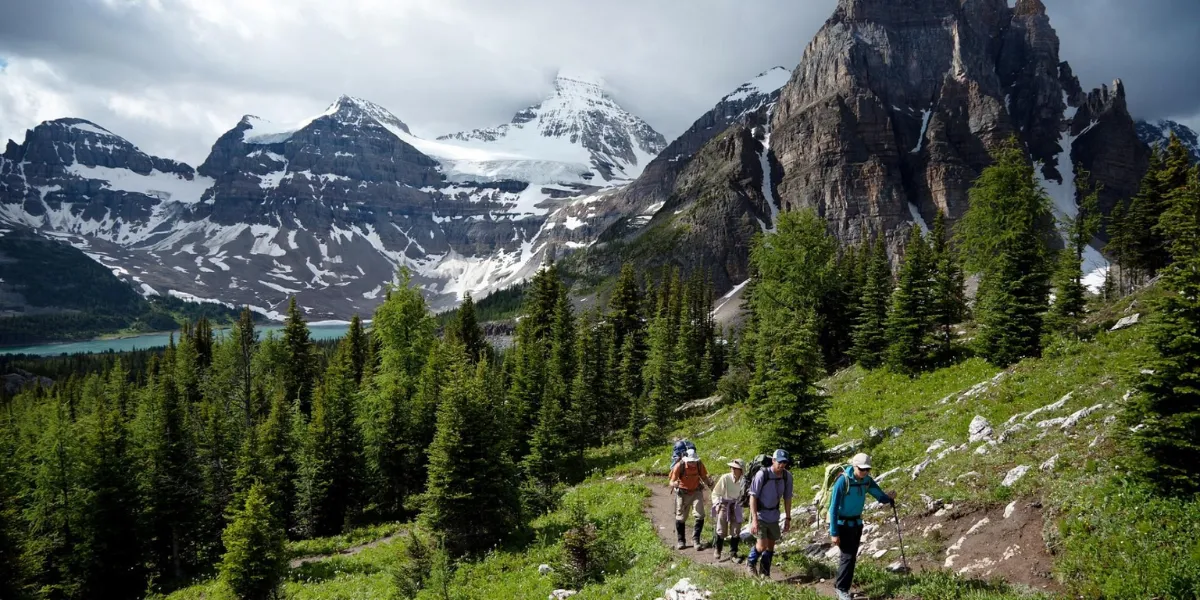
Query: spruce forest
x=204, y=460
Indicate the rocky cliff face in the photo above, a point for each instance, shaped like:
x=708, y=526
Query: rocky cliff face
x=894, y=107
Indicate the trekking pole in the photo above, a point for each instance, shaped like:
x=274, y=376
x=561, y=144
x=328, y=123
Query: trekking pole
x=903, y=569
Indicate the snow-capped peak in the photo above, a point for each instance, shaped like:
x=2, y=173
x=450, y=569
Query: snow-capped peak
x=766, y=83
x=575, y=134
x=1158, y=133
x=348, y=110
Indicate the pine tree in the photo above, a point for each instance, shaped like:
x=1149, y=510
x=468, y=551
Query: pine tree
x=301, y=364
x=331, y=474
x=1170, y=403
x=948, y=304
x=245, y=339
x=1145, y=251
x=532, y=350
x=910, y=323
x=277, y=451
x=660, y=373
x=789, y=409
x=1119, y=248
x=870, y=332
x=464, y=330
x=625, y=307
x=1006, y=236
x=255, y=561
x=169, y=480
x=111, y=507
x=393, y=432
x=1070, y=304
x=469, y=498
x=359, y=348
x=12, y=575
x=53, y=508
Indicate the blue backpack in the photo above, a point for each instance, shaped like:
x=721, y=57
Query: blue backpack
x=681, y=448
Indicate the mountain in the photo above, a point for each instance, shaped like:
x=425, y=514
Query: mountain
x=577, y=135
x=897, y=103
x=329, y=208
x=1158, y=133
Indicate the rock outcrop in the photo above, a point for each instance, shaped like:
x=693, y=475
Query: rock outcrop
x=896, y=104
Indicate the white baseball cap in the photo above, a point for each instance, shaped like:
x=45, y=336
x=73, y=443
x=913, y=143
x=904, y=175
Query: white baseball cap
x=861, y=460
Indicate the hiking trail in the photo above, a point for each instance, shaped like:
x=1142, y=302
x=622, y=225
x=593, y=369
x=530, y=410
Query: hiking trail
x=661, y=510
x=298, y=562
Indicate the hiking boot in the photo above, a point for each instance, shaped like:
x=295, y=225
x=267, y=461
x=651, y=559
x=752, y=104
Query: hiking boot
x=843, y=595
x=753, y=568
x=717, y=554
x=680, y=535
x=680, y=545
x=697, y=530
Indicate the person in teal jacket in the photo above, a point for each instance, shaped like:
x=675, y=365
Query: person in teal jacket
x=845, y=516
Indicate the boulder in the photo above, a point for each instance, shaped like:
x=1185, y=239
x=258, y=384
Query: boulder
x=545, y=569
x=980, y=429
x=1129, y=321
x=1014, y=475
x=1050, y=463
x=1008, y=434
x=686, y=590
x=562, y=594
x=935, y=446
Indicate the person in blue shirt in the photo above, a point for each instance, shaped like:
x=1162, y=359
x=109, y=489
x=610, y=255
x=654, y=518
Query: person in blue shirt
x=772, y=487
x=845, y=516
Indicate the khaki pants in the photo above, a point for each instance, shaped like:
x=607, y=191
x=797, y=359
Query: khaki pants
x=685, y=500
x=729, y=519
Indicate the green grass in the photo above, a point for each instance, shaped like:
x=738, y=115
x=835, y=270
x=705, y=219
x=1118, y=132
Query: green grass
x=339, y=543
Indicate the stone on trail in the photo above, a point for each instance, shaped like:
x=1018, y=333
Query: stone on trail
x=1014, y=475
x=979, y=430
x=880, y=553
x=1010, y=509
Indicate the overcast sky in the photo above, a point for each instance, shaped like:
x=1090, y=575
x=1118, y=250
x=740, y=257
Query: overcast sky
x=172, y=75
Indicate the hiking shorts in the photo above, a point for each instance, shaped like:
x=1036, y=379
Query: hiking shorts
x=685, y=500
x=770, y=531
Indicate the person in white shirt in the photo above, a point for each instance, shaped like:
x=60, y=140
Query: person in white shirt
x=727, y=509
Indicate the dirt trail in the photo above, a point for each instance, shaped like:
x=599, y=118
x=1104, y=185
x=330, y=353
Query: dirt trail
x=351, y=551
x=661, y=511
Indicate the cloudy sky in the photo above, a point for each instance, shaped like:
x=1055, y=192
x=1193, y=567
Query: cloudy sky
x=172, y=75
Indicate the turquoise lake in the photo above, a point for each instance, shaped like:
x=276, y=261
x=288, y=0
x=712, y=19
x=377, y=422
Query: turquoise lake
x=155, y=340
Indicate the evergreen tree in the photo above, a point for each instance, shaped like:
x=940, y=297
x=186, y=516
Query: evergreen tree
x=910, y=322
x=789, y=409
x=1170, y=403
x=245, y=338
x=532, y=350
x=332, y=469
x=1006, y=238
x=1070, y=304
x=301, y=364
x=870, y=332
x=54, y=506
x=255, y=561
x=359, y=348
x=168, y=480
x=393, y=438
x=625, y=307
x=469, y=498
x=948, y=305
x=464, y=331
x=660, y=376
x=12, y=575
x=278, y=447
x=111, y=509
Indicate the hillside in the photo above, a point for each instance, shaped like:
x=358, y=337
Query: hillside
x=51, y=291
x=1073, y=526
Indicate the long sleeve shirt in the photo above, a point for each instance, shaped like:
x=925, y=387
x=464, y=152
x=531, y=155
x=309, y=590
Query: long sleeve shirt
x=849, y=497
x=727, y=488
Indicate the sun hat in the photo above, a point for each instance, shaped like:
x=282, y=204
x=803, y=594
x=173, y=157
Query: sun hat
x=861, y=460
x=737, y=464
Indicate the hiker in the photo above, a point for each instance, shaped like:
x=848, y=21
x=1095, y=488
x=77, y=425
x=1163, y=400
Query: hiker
x=727, y=509
x=845, y=516
x=686, y=477
x=770, y=487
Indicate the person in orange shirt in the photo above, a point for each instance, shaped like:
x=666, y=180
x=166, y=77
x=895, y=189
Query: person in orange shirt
x=686, y=479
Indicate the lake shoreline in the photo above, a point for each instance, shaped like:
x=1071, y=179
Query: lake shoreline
x=320, y=330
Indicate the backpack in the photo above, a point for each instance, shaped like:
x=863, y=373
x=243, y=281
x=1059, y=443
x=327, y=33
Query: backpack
x=681, y=448
x=760, y=462
x=825, y=496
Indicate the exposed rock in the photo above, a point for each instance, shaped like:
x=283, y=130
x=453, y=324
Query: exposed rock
x=1014, y=475
x=545, y=569
x=1008, y=434
x=562, y=594
x=846, y=448
x=931, y=504
x=1129, y=321
x=895, y=431
x=1079, y=415
x=1010, y=509
x=875, y=435
x=1050, y=463
x=980, y=429
x=983, y=449
x=936, y=445
x=946, y=452
x=700, y=405
x=917, y=470
x=19, y=379
x=1048, y=423
x=887, y=474
x=1048, y=408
